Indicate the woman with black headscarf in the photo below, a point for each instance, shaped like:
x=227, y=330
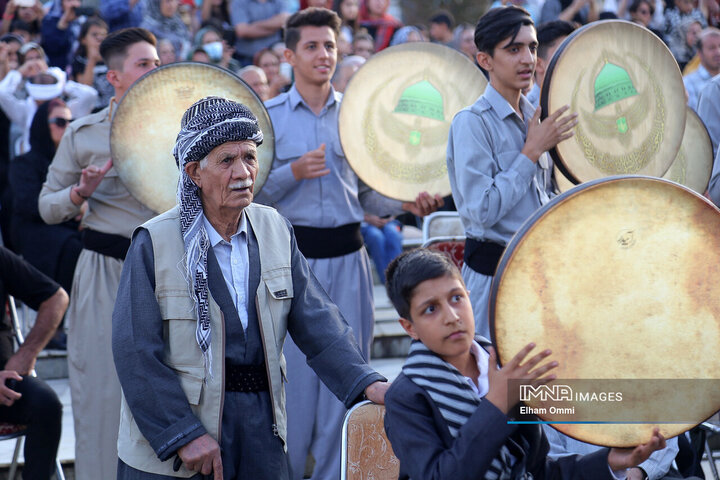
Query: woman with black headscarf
x=52, y=249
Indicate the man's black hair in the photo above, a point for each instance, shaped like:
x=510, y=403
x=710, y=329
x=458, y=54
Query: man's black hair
x=498, y=24
x=114, y=48
x=310, y=17
x=443, y=16
x=548, y=33
x=410, y=269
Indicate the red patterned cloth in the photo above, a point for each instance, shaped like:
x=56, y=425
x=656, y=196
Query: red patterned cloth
x=10, y=429
x=454, y=248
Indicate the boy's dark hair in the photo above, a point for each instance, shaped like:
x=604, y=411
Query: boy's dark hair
x=443, y=16
x=410, y=269
x=114, y=48
x=549, y=32
x=310, y=17
x=498, y=24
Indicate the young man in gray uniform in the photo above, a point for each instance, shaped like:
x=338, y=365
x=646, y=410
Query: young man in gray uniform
x=82, y=172
x=313, y=186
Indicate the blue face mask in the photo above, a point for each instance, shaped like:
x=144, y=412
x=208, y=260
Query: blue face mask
x=214, y=50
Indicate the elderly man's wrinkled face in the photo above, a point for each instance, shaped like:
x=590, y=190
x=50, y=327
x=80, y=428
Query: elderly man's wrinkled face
x=226, y=178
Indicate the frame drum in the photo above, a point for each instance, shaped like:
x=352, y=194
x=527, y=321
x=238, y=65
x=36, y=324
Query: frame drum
x=692, y=166
x=396, y=113
x=147, y=121
x=627, y=89
x=620, y=278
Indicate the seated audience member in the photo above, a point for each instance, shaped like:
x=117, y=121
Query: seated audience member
x=659, y=466
x=363, y=45
x=52, y=249
x=383, y=240
x=88, y=67
x=122, y=13
x=458, y=428
x=166, y=52
x=9, y=46
x=378, y=22
x=220, y=52
x=348, y=11
x=26, y=400
x=60, y=31
x=257, y=25
x=270, y=63
x=642, y=12
x=345, y=70
x=163, y=20
x=465, y=40
x=198, y=54
x=256, y=79
x=406, y=34
x=708, y=47
x=217, y=13
x=442, y=23
x=677, y=22
x=316, y=3
x=41, y=84
x=580, y=11
x=32, y=16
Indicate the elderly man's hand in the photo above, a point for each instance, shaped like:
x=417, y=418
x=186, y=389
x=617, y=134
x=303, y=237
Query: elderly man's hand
x=425, y=204
x=375, y=392
x=7, y=394
x=622, y=458
x=202, y=455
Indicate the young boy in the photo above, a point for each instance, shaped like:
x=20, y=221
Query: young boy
x=447, y=412
x=499, y=171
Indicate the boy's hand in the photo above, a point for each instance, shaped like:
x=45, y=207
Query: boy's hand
x=514, y=370
x=542, y=136
x=622, y=458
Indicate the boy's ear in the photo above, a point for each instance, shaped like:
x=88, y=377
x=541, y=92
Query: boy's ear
x=483, y=59
x=408, y=327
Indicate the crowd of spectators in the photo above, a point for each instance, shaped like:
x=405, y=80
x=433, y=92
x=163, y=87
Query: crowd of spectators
x=51, y=50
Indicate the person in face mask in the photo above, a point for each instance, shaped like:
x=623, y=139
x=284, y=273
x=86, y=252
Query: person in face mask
x=220, y=53
x=40, y=84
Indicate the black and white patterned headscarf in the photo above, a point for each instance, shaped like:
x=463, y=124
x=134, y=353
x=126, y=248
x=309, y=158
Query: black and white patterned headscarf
x=208, y=123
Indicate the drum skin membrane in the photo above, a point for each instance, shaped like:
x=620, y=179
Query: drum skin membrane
x=620, y=278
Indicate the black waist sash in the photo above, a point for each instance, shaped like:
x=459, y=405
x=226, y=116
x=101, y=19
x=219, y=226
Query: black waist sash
x=115, y=246
x=328, y=242
x=245, y=378
x=483, y=257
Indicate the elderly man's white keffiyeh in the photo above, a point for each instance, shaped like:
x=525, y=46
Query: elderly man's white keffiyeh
x=207, y=124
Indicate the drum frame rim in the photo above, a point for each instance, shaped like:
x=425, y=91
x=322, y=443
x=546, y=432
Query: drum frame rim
x=545, y=90
x=229, y=73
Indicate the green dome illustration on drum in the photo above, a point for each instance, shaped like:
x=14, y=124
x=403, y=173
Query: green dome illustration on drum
x=422, y=99
x=612, y=85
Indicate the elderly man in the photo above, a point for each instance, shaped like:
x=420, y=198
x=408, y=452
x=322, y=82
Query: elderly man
x=207, y=294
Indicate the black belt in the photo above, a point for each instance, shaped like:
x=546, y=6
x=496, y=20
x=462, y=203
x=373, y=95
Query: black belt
x=115, y=246
x=328, y=242
x=245, y=378
x=483, y=257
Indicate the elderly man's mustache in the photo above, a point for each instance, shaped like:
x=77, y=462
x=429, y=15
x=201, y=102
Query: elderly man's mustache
x=247, y=183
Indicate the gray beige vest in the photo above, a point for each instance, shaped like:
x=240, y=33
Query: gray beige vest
x=182, y=353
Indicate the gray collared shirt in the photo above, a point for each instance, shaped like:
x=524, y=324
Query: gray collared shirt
x=234, y=263
x=335, y=199
x=495, y=187
x=251, y=11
